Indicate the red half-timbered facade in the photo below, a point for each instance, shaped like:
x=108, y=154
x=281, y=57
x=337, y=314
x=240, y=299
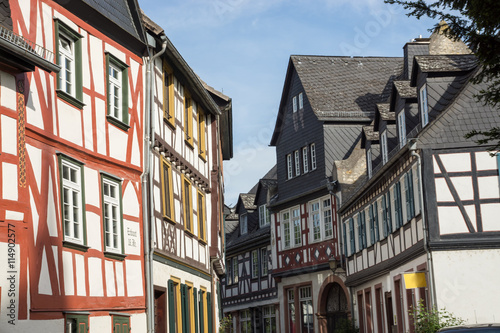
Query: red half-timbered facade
x=71, y=168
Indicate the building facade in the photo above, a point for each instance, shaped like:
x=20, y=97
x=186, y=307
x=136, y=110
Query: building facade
x=249, y=291
x=427, y=208
x=71, y=127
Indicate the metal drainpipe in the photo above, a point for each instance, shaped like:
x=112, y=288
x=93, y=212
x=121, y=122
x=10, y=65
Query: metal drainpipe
x=413, y=148
x=146, y=178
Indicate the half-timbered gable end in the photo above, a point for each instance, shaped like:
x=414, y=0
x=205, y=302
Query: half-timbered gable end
x=187, y=147
x=71, y=113
x=326, y=101
x=249, y=291
x=428, y=205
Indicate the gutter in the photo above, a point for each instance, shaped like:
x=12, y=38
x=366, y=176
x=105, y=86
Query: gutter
x=413, y=150
x=147, y=194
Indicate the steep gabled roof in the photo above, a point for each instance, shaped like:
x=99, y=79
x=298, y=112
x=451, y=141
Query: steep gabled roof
x=247, y=200
x=340, y=88
x=443, y=64
x=404, y=89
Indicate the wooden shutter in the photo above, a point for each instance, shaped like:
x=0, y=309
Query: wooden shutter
x=171, y=306
x=195, y=303
x=209, y=312
x=184, y=309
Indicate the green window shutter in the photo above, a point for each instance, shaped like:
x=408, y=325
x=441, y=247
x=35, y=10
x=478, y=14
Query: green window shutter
x=185, y=309
x=195, y=303
x=388, y=211
x=78, y=70
x=209, y=311
x=171, y=306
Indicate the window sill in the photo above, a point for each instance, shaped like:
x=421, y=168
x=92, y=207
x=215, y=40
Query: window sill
x=118, y=123
x=168, y=219
x=189, y=143
x=116, y=256
x=75, y=246
x=203, y=157
x=70, y=99
x=169, y=122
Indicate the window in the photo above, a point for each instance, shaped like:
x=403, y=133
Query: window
x=398, y=207
x=264, y=261
x=168, y=95
x=291, y=310
x=179, y=101
x=202, y=148
x=424, y=107
x=77, y=323
x=187, y=294
x=112, y=214
x=369, y=162
x=69, y=58
x=306, y=310
x=246, y=321
x=409, y=196
x=361, y=230
x=229, y=271
x=321, y=219
x=416, y=188
x=301, y=101
x=243, y=224
x=383, y=142
x=297, y=235
x=167, y=191
x=201, y=217
x=189, y=104
x=351, y=236
x=402, y=128
x=344, y=237
x=269, y=319
x=255, y=264
x=297, y=163
x=286, y=229
x=373, y=216
x=313, y=156
x=235, y=269
x=121, y=324
x=388, y=211
x=316, y=223
x=174, y=305
x=203, y=310
x=305, y=159
x=188, y=207
x=327, y=218
x=289, y=166
x=294, y=102
x=264, y=216
x=117, y=83
x=72, y=200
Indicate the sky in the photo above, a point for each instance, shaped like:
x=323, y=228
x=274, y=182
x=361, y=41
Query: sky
x=242, y=48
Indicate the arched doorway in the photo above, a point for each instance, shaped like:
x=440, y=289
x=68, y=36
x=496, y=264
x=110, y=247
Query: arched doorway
x=333, y=304
x=336, y=307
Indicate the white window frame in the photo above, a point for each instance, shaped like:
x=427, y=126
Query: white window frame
x=402, y=129
x=264, y=216
x=315, y=221
x=301, y=101
x=369, y=162
x=383, y=143
x=269, y=315
x=424, y=106
x=320, y=219
x=305, y=159
x=297, y=163
x=243, y=224
x=113, y=225
x=294, y=225
x=313, y=156
x=294, y=103
x=289, y=166
x=115, y=93
x=286, y=224
x=67, y=74
x=73, y=186
x=297, y=226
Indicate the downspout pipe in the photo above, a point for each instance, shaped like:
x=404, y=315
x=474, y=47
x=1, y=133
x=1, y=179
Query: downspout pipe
x=147, y=207
x=430, y=265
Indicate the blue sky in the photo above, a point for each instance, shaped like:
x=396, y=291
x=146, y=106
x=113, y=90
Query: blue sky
x=242, y=48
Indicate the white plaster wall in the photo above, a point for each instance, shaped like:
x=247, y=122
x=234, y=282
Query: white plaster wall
x=70, y=122
x=100, y=118
x=9, y=181
x=132, y=237
x=110, y=278
x=117, y=143
x=8, y=91
x=81, y=290
x=95, y=280
x=22, y=326
x=467, y=283
x=9, y=134
x=162, y=273
x=137, y=323
x=130, y=201
x=134, y=278
x=69, y=282
x=94, y=230
x=100, y=324
x=87, y=123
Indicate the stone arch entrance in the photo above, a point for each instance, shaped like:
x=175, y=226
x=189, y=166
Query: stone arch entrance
x=333, y=304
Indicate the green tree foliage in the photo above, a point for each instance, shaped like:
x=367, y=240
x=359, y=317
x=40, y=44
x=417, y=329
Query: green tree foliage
x=431, y=320
x=477, y=24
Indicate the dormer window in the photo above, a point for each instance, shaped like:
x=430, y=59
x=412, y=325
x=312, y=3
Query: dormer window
x=297, y=163
x=294, y=102
x=243, y=224
x=383, y=143
x=289, y=166
x=301, y=101
x=369, y=162
x=402, y=129
x=424, y=107
x=264, y=217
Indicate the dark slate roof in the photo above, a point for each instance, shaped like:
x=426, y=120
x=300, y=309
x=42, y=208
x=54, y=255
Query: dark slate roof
x=405, y=90
x=370, y=133
x=117, y=11
x=339, y=84
x=5, y=15
x=385, y=113
x=446, y=63
x=463, y=115
x=247, y=200
x=340, y=140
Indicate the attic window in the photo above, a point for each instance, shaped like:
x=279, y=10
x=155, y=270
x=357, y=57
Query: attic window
x=424, y=107
x=243, y=224
x=301, y=101
x=294, y=102
x=383, y=141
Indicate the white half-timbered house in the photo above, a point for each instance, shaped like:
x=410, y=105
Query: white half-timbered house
x=249, y=293
x=423, y=225
x=190, y=136
x=71, y=108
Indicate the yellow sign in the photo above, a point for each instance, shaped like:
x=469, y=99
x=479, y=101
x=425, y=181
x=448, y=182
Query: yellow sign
x=415, y=280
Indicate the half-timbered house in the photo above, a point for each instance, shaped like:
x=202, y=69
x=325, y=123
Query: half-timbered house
x=423, y=225
x=71, y=110
x=249, y=292
x=324, y=105
x=189, y=135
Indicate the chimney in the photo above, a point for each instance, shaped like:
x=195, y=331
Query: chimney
x=418, y=46
x=442, y=44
